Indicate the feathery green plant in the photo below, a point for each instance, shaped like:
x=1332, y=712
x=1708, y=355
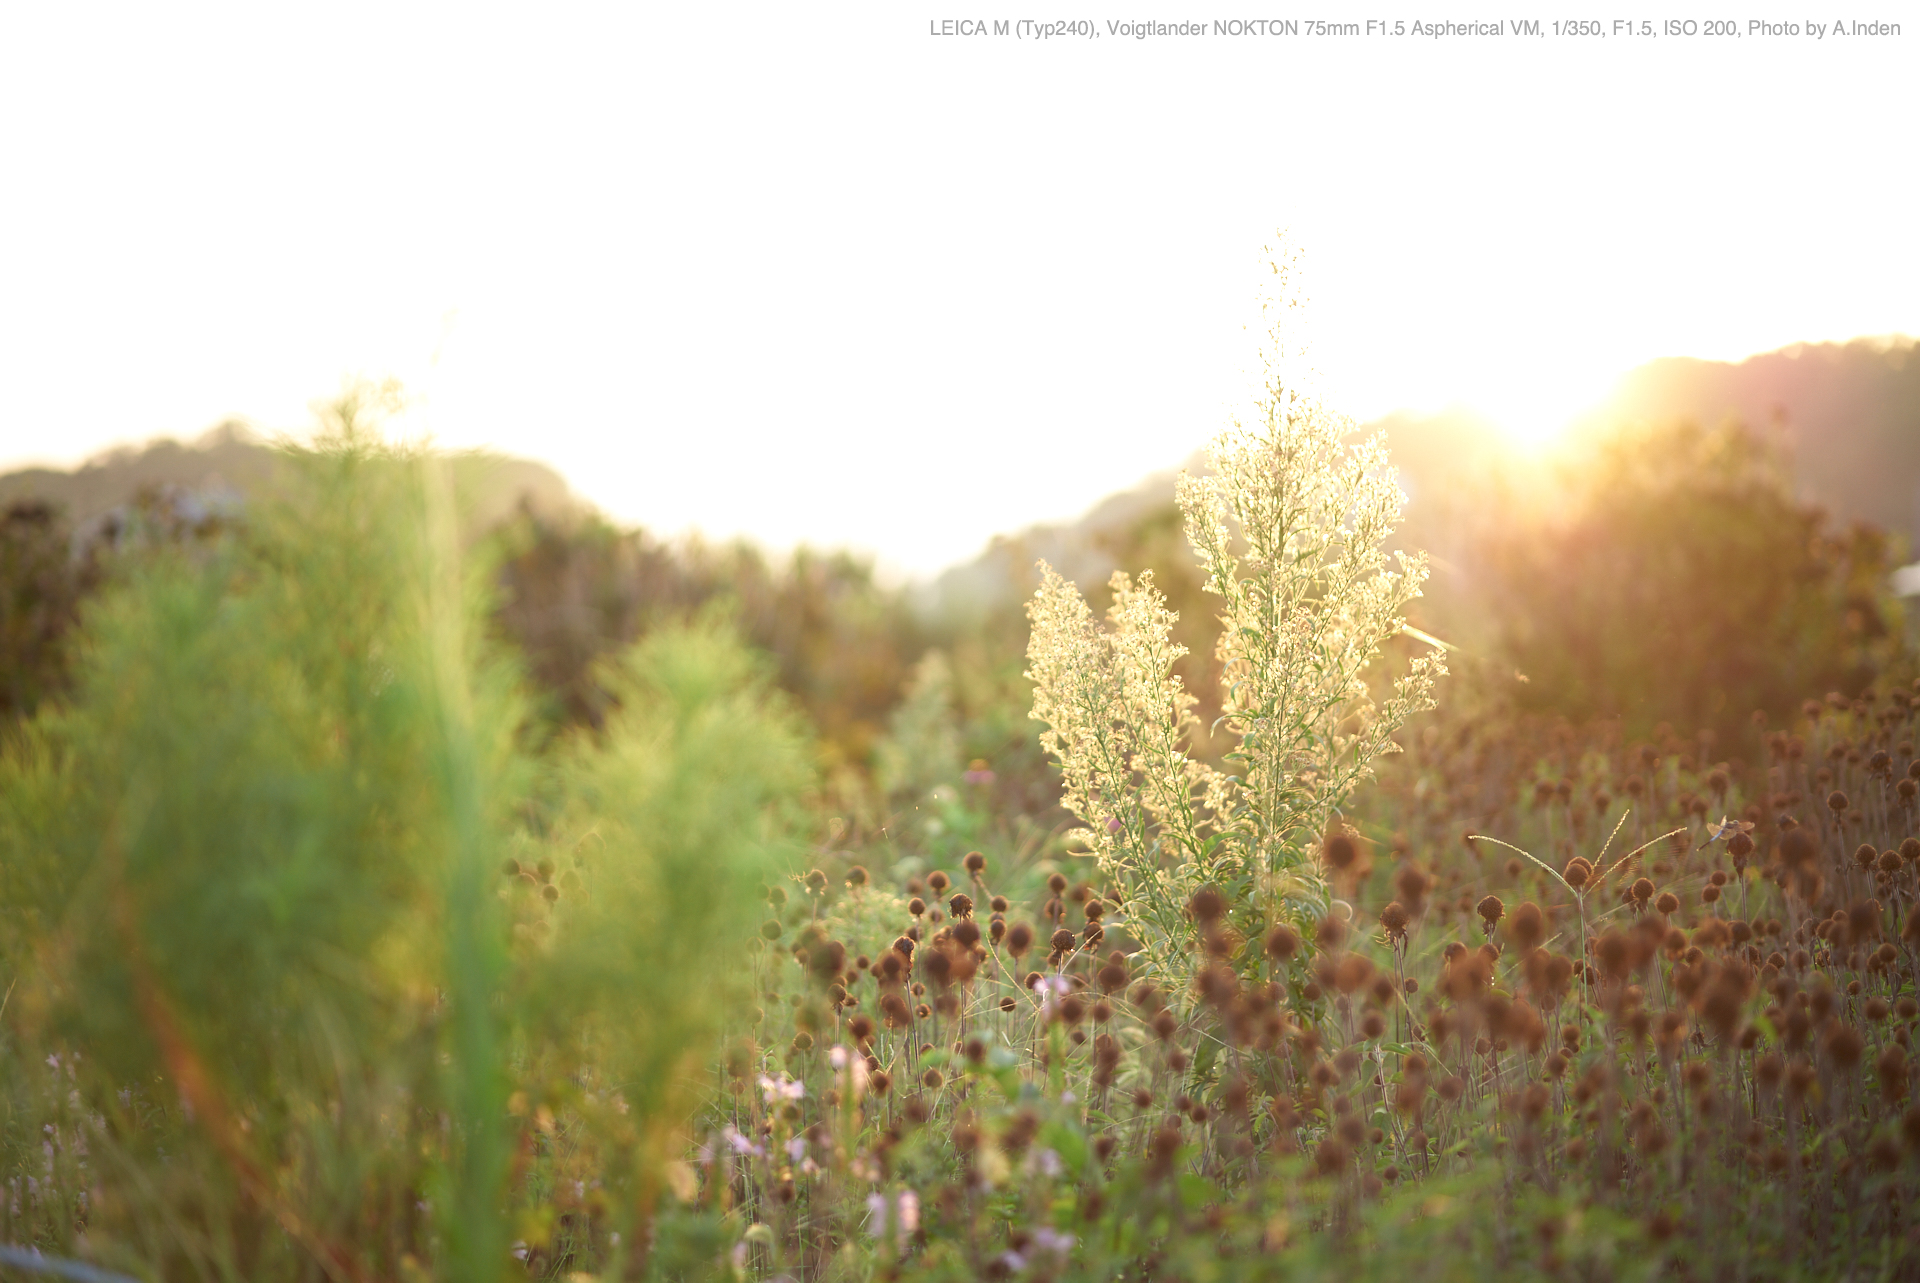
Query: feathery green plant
x=272, y=1000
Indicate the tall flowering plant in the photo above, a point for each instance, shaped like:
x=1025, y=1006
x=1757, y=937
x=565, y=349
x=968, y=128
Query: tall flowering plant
x=1289, y=526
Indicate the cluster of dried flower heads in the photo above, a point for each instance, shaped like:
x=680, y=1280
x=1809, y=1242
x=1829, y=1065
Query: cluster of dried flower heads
x=1669, y=1022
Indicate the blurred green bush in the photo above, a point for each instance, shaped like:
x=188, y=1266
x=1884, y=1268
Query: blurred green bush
x=307, y=947
x=1671, y=575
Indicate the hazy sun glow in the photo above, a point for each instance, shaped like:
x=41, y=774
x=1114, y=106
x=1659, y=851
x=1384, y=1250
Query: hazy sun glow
x=839, y=282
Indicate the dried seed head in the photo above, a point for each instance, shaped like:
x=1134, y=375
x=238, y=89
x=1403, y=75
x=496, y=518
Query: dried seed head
x=1527, y=926
x=857, y=876
x=1207, y=906
x=1331, y=1157
x=1331, y=934
x=976, y=863
x=1891, y=1066
x=1843, y=1046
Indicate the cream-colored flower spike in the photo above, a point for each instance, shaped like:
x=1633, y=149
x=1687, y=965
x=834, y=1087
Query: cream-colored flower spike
x=1289, y=527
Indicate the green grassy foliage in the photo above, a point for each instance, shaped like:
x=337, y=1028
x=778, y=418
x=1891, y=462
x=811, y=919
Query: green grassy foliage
x=273, y=1002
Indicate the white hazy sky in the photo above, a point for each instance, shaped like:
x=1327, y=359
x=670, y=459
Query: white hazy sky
x=808, y=273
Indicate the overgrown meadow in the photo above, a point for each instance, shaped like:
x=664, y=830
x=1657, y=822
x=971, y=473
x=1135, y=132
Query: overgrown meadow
x=363, y=920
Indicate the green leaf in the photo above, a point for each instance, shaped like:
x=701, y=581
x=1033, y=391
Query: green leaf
x=1068, y=1143
x=1195, y=1191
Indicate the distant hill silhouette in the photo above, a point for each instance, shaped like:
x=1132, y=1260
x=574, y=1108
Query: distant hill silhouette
x=1849, y=414
x=231, y=464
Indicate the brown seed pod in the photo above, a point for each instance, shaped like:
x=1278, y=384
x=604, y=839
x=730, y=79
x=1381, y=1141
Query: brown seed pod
x=1330, y=934
x=1891, y=1067
x=1527, y=926
x=1206, y=906
x=1843, y=1047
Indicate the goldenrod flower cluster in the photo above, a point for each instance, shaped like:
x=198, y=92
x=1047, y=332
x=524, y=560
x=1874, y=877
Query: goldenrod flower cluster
x=1290, y=525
